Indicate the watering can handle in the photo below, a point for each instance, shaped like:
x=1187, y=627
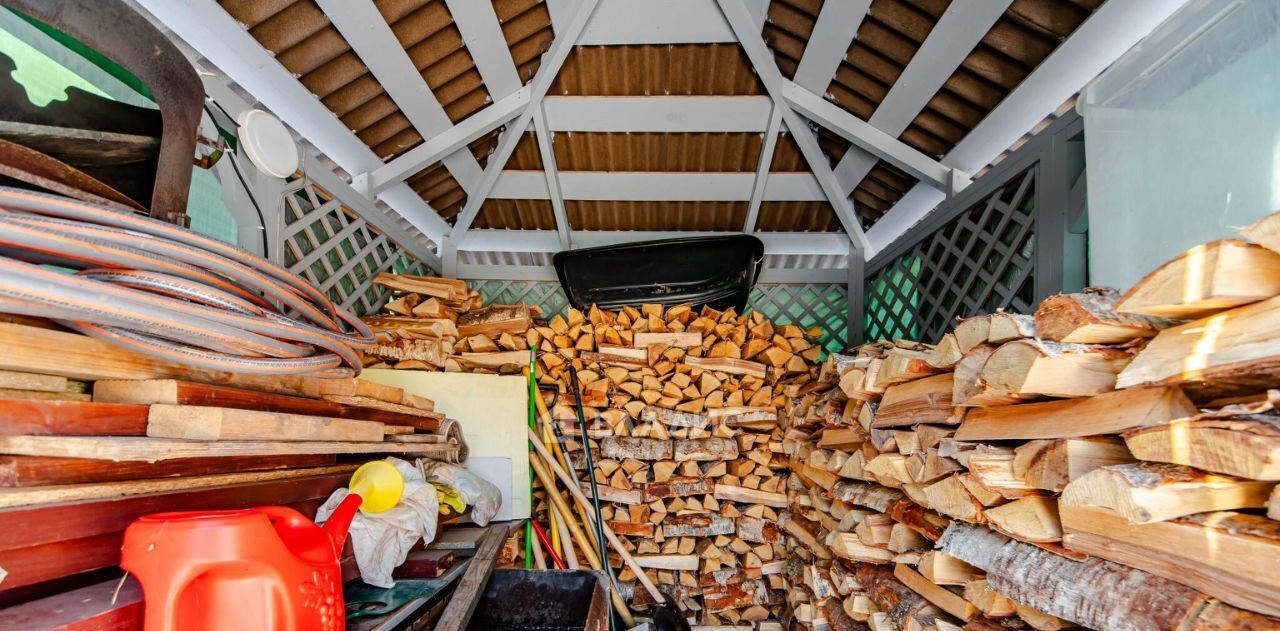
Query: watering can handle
x=285, y=516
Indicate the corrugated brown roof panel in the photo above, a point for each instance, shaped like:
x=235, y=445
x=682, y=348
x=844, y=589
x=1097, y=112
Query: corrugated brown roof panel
x=1027, y=33
x=684, y=152
x=787, y=29
x=797, y=217
x=516, y=214
x=677, y=69
x=527, y=156
x=526, y=25
x=666, y=215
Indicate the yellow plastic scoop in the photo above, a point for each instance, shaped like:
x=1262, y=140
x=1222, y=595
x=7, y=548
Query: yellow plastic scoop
x=379, y=483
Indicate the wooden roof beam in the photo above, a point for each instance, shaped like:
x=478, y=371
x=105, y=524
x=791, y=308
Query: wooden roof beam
x=362, y=25
x=959, y=30
x=552, y=175
x=551, y=64
x=629, y=22
x=763, y=166
x=829, y=42
x=482, y=33
x=747, y=30
x=214, y=34
x=658, y=186
x=1113, y=29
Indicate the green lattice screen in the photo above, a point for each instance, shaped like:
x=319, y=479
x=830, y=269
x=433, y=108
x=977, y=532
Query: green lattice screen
x=338, y=251
x=825, y=306
x=981, y=261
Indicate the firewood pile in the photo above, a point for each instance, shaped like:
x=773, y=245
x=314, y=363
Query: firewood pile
x=682, y=416
x=1109, y=462
x=438, y=324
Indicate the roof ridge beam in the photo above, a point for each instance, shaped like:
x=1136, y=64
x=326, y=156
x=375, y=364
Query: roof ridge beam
x=367, y=32
x=658, y=186
x=957, y=33
x=667, y=113
x=551, y=64
x=547, y=241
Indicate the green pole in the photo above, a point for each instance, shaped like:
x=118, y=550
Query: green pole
x=528, y=526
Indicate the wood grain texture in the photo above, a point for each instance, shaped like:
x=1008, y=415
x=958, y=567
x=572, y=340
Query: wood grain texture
x=222, y=424
x=32, y=471
x=1104, y=414
x=467, y=594
x=71, y=418
x=155, y=449
x=175, y=392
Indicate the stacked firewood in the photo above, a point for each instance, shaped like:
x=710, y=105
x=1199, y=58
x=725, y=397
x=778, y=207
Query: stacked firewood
x=1108, y=461
x=438, y=324
x=682, y=413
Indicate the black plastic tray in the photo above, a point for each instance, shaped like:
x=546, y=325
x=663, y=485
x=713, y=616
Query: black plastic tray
x=714, y=271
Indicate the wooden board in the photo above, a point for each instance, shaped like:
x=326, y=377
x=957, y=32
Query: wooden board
x=30, y=471
x=492, y=411
x=1230, y=556
x=154, y=449
x=109, y=605
x=9, y=394
x=30, y=381
x=101, y=490
x=222, y=424
x=48, y=541
x=27, y=348
x=175, y=392
x=1104, y=414
x=71, y=418
x=462, y=603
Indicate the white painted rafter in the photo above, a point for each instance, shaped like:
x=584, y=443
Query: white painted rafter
x=552, y=175
x=372, y=39
x=762, y=60
x=957, y=33
x=482, y=33
x=551, y=63
x=1113, y=29
x=671, y=114
x=829, y=42
x=762, y=169
x=214, y=34
x=658, y=186
x=862, y=134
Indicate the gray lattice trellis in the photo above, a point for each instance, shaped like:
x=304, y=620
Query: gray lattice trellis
x=546, y=295
x=806, y=306
x=980, y=261
x=337, y=250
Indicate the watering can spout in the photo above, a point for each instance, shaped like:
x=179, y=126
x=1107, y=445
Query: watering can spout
x=375, y=487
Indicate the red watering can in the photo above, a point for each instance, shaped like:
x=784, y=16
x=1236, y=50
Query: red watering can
x=266, y=568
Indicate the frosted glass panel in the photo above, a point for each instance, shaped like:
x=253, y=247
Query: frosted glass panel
x=1183, y=137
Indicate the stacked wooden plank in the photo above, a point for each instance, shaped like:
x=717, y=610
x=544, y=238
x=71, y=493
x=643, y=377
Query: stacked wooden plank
x=1055, y=469
x=112, y=436
x=682, y=408
x=438, y=324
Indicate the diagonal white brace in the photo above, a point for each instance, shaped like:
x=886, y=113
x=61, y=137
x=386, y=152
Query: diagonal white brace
x=748, y=34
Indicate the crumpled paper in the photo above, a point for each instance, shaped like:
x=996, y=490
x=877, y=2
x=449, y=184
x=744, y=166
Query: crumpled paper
x=382, y=541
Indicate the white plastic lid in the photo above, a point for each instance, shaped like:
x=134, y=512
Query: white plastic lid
x=267, y=143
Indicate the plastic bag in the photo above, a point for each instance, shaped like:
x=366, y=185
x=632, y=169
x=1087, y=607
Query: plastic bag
x=482, y=496
x=382, y=541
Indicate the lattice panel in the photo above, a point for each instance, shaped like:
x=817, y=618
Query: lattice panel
x=981, y=261
x=546, y=295
x=825, y=306
x=806, y=306
x=338, y=251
